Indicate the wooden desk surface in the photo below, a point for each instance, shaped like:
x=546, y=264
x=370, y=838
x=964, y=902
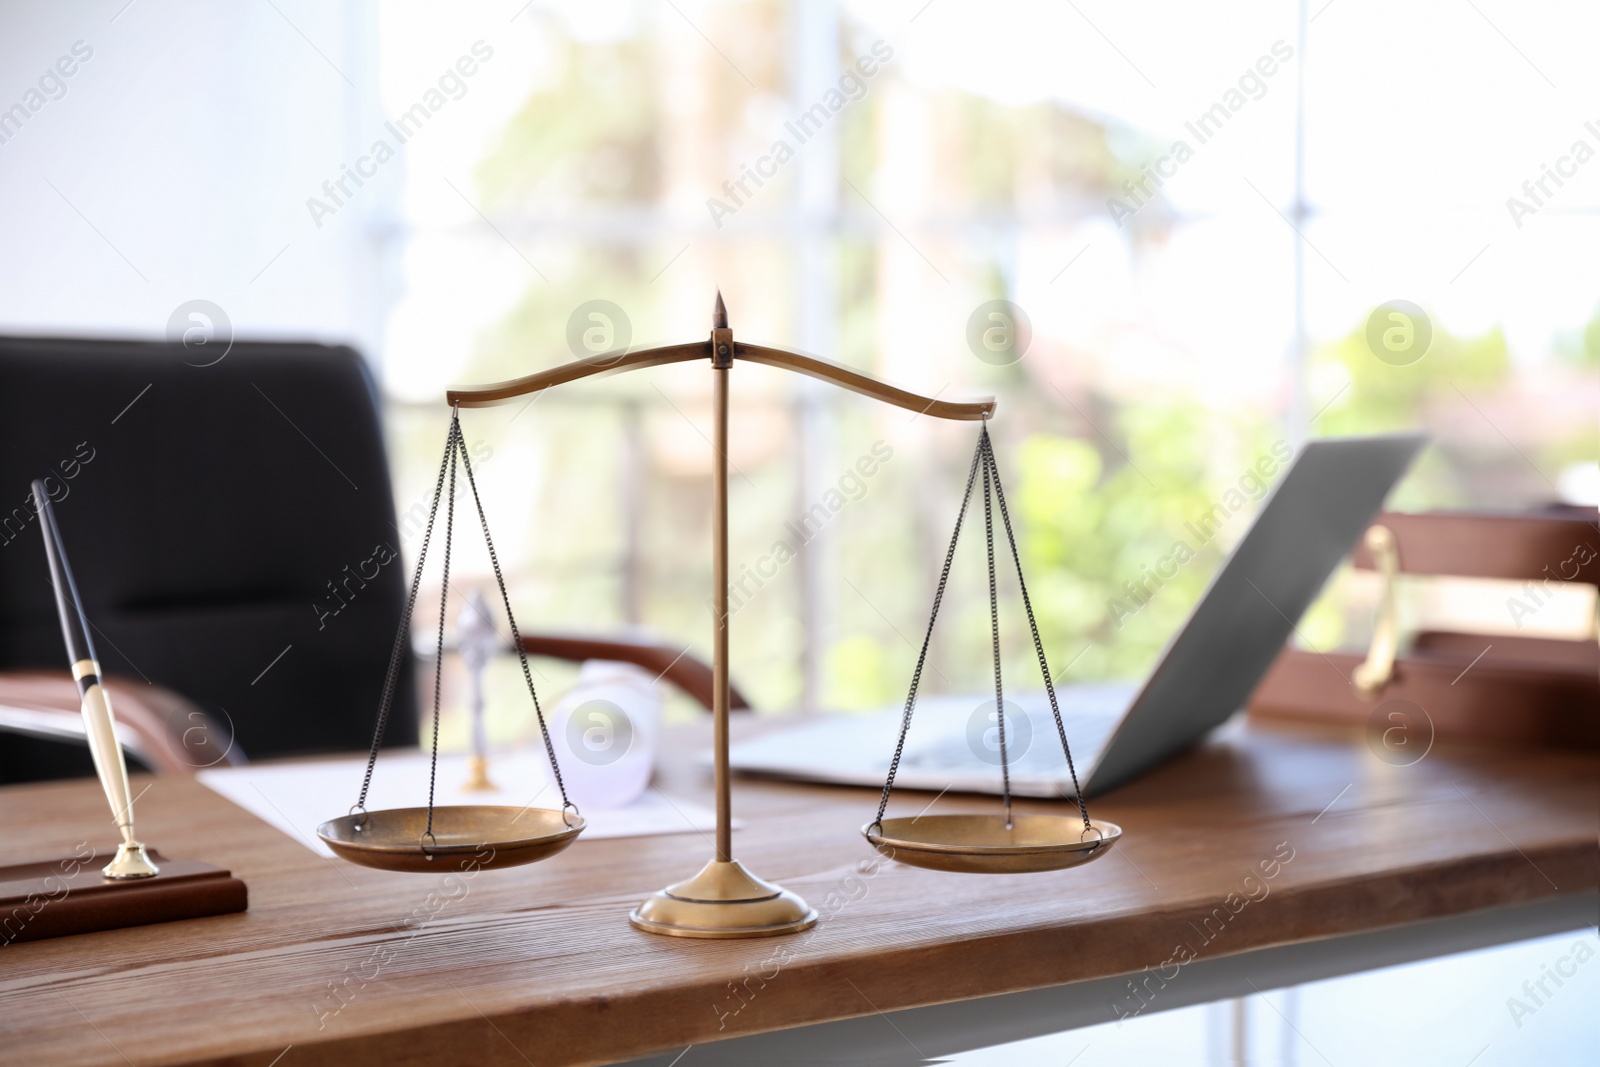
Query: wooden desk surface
x=538, y=964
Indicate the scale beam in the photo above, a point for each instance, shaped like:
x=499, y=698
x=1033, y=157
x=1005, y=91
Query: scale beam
x=857, y=382
x=812, y=366
x=588, y=367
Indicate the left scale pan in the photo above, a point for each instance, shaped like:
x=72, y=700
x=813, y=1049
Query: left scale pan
x=398, y=839
x=429, y=839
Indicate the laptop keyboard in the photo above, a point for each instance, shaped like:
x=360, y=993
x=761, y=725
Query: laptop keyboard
x=1042, y=755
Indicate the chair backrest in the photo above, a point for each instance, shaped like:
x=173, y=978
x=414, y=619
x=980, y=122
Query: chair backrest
x=231, y=526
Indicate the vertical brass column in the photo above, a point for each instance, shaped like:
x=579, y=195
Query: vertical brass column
x=719, y=597
x=724, y=899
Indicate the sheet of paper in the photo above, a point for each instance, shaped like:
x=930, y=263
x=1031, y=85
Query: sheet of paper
x=298, y=797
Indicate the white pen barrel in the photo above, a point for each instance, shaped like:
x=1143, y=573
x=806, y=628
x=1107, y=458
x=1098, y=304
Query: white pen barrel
x=132, y=860
x=107, y=753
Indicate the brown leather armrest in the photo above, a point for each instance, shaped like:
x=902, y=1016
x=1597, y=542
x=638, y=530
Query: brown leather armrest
x=683, y=669
x=160, y=728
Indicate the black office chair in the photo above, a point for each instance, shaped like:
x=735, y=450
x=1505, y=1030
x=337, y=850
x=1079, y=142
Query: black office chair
x=231, y=527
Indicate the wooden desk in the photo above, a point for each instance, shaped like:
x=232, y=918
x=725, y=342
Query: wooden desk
x=538, y=964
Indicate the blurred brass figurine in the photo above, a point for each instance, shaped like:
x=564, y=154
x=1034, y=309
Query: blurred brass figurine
x=1377, y=671
x=131, y=860
x=479, y=642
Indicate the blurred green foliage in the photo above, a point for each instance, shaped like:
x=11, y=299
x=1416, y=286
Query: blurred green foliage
x=1384, y=397
x=588, y=136
x=1099, y=531
x=1379, y=397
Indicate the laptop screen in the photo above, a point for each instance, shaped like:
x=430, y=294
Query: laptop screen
x=1307, y=524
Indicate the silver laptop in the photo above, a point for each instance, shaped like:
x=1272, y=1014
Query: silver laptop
x=1309, y=522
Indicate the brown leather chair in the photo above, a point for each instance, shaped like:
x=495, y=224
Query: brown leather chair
x=156, y=727
x=208, y=512
x=688, y=672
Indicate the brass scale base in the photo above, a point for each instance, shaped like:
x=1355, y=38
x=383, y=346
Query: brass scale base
x=724, y=900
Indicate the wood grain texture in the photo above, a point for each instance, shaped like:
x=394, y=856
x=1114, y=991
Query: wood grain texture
x=538, y=964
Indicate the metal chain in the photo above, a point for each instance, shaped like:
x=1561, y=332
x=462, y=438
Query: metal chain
x=994, y=622
x=1033, y=625
x=455, y=446
x=922, y=657
x=397, y=653
x=516, y=636
x=453, y=449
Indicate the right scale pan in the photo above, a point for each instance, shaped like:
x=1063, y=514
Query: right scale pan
x=990, y=844
x=1005, y=842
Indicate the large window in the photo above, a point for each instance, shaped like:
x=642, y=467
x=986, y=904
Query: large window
x=1198, y=212
x=1199, y=208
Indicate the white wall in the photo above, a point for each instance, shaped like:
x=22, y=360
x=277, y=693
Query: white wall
x=190, y=139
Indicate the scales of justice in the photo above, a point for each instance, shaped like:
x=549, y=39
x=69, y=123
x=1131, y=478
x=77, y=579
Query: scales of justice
x=724, y=900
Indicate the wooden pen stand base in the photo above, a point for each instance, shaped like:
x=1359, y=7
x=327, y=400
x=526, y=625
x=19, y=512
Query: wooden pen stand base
x=53, y=898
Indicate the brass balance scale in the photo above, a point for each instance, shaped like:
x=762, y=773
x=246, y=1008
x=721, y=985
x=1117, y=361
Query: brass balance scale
x=724, y=900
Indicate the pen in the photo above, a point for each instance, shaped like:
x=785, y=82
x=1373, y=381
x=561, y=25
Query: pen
x=131, y=860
